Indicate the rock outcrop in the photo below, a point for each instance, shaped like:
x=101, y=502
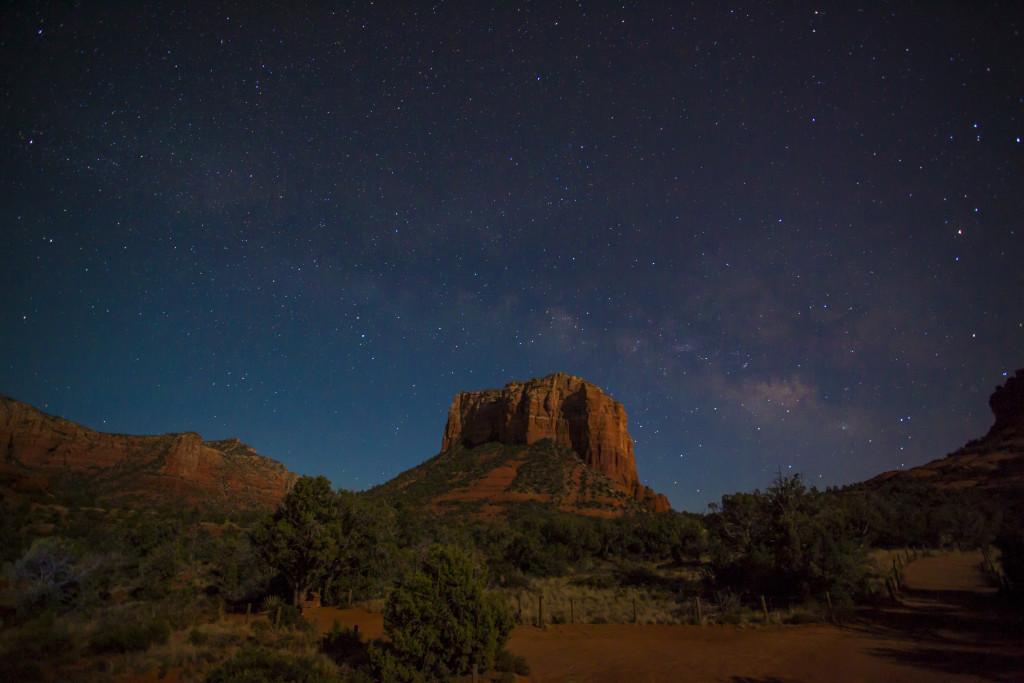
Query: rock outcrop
x=40, y=450
x=1007, y=404
x=993, y=463
x=565, y=409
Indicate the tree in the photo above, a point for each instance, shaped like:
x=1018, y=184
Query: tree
x=301, y=539
x=47, y=575
x=441, y=621
x=789, y=541
x=367, y=552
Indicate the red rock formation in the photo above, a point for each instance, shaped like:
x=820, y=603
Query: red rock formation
x=1007, y=404
x=993, y=463
x=171, y=468
x=566, y=409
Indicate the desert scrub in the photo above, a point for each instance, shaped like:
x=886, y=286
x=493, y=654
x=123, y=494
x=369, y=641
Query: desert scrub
x=508, y=662
x=42, y=637
x=257, y=665
x=128, y=633
x=564, y=602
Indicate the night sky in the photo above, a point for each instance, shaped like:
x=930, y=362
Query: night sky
x=785, y=237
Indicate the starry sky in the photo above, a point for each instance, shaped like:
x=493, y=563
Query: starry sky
x=787, y=236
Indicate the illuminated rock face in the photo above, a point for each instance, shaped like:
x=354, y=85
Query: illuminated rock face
x=563, y=408
x=37, y=449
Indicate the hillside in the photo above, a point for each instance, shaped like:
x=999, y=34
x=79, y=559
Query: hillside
x=993, y=463
x=488, y=479
x=46, y=454
x=557, y=440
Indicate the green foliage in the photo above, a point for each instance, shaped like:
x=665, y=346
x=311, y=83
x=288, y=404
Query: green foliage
x=1010, y=542
x=506, y=661
x=257, y=665
x=387, y=667
x=119, y=633
x=367, y=548
x=788, y=542
x=301, y=539
x=544, y=469
x=441, y=621
x=240, y=573
x=48, y=576
x=909, y=513
x=42, y=638
x=291, y=617
x=344, y=645
x=13, y=539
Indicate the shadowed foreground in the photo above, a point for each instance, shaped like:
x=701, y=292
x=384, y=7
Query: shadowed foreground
x=948, y=628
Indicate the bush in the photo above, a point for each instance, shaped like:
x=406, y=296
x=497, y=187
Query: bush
x=45, y=637
x=388, y=668
x=506, y=661
x=49, y=575
x=119, y=634
x=441, y=621
x=789, y=542
x=197, y=637
x=344, y=645
x=256, y=665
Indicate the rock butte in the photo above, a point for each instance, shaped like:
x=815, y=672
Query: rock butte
x=992, y=463
x=564, y=408
x=39, y=449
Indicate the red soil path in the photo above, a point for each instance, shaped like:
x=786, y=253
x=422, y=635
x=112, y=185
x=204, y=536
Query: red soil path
x=948, y=627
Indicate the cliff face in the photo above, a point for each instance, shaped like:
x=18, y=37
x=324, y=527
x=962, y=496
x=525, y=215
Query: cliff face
x=568, y=410
x=1007, y=404
x=38, y=449
x=992, y=463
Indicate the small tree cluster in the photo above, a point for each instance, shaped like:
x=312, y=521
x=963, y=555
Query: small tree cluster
x=319, y=539
x=441, y=621
x=789, y=541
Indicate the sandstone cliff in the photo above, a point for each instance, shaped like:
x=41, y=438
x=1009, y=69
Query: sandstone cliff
x=564, y=409
x=40, y=450
x=993, y=463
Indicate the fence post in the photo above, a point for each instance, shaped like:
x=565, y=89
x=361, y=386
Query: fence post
x=764, y=608
x=349, y=597
x=519, y=614
x=540, y=610
x=700, y=612
x=572, y=612
x=248, y=612
x=828, y=601
x=277, y=619
x=634, y=608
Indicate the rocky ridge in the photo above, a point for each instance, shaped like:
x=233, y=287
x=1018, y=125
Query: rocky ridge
x=992, y=463
x=41, y=450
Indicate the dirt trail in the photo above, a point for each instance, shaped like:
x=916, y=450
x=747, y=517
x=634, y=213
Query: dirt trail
x=948, y=627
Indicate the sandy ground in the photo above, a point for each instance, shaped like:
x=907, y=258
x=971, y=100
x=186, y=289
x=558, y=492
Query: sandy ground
x=948, y=627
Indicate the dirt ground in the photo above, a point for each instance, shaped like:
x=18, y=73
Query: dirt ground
x=948, y=627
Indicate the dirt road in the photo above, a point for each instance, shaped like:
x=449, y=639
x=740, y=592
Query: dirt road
x=949, y=627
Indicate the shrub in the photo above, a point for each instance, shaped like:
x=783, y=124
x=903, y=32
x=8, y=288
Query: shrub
x=788, y=542
x=49, y=576
x=506, y=661
x=43, y=637
x=118, y=634
x=257, y=665
x=441, y=621
x=344, y=645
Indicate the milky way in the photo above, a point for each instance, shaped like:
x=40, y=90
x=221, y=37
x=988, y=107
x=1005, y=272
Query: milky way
x=785, y=240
